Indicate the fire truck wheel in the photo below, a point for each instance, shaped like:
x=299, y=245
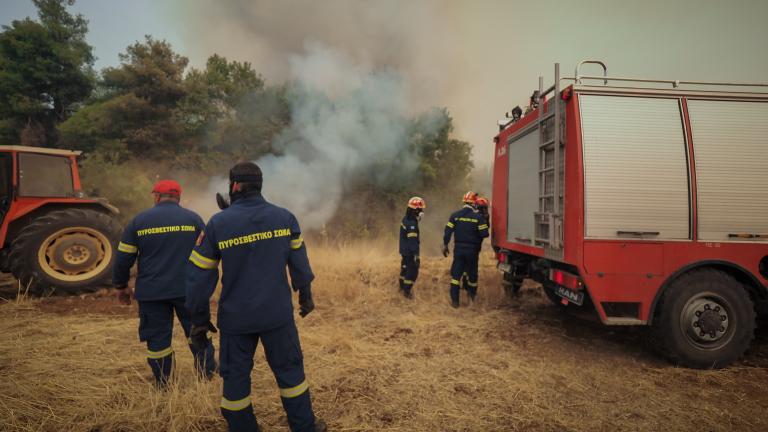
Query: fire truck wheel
x=511, y=284
x=705, y=319
x=70, y=250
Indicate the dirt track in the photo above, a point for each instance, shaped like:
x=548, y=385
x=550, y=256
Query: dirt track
x=377, y=362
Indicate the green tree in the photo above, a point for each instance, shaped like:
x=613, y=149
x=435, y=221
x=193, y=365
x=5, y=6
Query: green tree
x=45, y=72
x=445, y=163
x=232, y=112
x=136, y=113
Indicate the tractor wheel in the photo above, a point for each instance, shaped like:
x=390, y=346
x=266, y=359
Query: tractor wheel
x=68, y=250
x=705, y=319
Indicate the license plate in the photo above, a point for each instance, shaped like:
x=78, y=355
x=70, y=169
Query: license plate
x=571, y=296
x=504, y=267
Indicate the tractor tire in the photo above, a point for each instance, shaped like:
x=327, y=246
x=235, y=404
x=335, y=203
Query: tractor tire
x=68, y=251
x=704, y=320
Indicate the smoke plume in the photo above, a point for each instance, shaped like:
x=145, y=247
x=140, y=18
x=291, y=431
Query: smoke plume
x=346, y=120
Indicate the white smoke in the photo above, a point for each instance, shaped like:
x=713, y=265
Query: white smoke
x=346, y=120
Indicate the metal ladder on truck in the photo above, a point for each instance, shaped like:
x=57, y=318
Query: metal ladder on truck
x=549, y=218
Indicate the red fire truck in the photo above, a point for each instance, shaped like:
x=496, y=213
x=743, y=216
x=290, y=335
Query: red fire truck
x=649, y=204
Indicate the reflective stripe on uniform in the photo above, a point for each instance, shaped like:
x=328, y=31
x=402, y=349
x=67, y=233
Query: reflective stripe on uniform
x=159, y=354
x=236, y=405
x=450, y=224
x=203, y=262
x=127, y=248
x=482, y=227
x=472, y=284
x=413, y=234
x=455, y=282
x=294, y=391
x=408, y=282
x=403, y=226
x=297, y=242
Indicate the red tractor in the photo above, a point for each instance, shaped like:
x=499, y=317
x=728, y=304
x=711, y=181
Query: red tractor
x=53, y=237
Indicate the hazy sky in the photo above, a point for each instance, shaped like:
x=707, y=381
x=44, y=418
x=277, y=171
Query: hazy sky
x=478, y=58
x=113, y=24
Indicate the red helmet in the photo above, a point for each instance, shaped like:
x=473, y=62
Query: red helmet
x=470, y=197
x=417, y=203
x=482, y=202
x=167, y=187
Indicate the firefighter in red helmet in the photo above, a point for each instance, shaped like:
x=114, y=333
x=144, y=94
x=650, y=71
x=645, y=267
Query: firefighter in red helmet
x=409, y=244
x=482, y=204
x=468, y=228
x=160, y=239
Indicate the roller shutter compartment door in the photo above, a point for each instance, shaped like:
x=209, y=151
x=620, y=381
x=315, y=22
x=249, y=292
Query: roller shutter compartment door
x=523, y=187
x=730, y=147
x=635, y=168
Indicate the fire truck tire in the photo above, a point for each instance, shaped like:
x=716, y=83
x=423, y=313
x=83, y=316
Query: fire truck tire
x=705, y=319
x=70, y=250
x=511, y=284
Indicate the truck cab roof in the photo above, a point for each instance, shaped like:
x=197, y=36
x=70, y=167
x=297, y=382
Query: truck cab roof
x=39, y=150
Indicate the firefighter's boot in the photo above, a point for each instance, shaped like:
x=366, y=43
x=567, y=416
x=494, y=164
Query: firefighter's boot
x=320, y=426
x=455, y=295
x=472, y=291
x=161, y=369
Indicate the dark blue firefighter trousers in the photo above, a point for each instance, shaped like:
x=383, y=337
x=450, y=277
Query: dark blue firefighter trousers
x=156, y=329
x=464, y=261
x=283, y=353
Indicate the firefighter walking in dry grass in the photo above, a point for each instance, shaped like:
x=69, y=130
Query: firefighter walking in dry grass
x=481, y=206
x=468, y=228
x=409, y=245
x=161, y=239
x=254, y=241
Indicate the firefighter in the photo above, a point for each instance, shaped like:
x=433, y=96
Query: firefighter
x=482, y=203
x=161, y=238
x=469, y=228
x=481, y=206
x=254, y=241
x=409, y=245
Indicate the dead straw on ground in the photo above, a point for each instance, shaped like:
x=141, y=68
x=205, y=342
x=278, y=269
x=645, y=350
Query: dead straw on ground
x=377, y=362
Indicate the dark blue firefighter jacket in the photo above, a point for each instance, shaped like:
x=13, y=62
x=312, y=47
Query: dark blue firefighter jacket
x=161, y=238
x=468, y=228
x=409, y=237
x=254, y=241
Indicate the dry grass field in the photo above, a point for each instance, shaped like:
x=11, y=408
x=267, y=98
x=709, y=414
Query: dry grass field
x=378, y=362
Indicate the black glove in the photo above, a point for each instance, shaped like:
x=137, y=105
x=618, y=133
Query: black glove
x=198, y=335
x=222, y=202
x=306, y=305
x=445, y=251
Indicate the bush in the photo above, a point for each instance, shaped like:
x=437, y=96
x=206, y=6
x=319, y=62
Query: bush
x=126, y=185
